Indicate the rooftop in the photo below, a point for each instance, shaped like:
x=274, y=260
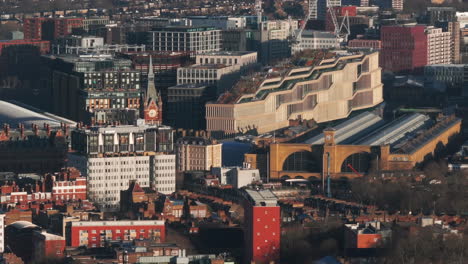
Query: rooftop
x=13, y=113
x=262, y=197
x=228, y=53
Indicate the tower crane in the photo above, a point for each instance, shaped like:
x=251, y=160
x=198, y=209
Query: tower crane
x=341, y=30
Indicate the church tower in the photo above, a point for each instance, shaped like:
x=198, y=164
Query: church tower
x=153, y=102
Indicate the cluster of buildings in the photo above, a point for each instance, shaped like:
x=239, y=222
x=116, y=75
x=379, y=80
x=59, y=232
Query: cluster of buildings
x=114, y=124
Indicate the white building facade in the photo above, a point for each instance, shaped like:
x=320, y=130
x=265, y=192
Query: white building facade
x=439, y=46
x=165, y=173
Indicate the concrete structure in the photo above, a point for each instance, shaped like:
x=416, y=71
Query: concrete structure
x=312, y=39
x=404, y=48
x=110, y=157
x=439, y=46
x=195, y=40
x=95, y=233
x=195, y=153
x=328, y=91
x=262, y=227
x=350, y=148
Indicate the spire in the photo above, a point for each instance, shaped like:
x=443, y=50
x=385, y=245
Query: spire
x=151, y=90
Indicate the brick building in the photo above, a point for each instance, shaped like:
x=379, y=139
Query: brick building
x=96, y=233
x=262, y=227
x=50, y=28
x=365, y=44
x=404, y=48
x=66, y=185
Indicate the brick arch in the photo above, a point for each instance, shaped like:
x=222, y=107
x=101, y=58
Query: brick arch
x=342, y=152
x=301, y=161
x=360, y=162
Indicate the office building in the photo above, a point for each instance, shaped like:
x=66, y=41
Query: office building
x=186, y=105
x=262, y=226
x=320, y=10
x=454, y=29
x=453, y=76
x=80, y=84
x=110, y=157
x=217, y=75
x=273, y=40
x=229, y=58
x=312, y=39
x=439, y=46
x=197, y=154
x=440, y=14
x=94, y=234
x=404, y=48
x=195, y=40
x=222, y=22
x=328, y=91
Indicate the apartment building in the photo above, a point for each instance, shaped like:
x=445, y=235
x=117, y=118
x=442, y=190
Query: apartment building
x=439, y=46
x=110, y=157
x=94, y=234
x=197, y=154
x=196, y=40
x=328, y=91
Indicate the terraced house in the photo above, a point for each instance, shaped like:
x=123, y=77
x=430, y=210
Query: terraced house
x=330, y=90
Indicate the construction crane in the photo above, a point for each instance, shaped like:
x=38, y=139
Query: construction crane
x=341, y=31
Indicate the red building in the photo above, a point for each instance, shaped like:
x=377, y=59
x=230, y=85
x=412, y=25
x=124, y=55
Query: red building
x=365, y=44
x=32, y=27
x=262, y=227
x=43, y=45
x=47, y=246
x=96, y=233
x=369, y=235
x=66, y=185
x=404, y=48
x=32, y=244
x=50, y=28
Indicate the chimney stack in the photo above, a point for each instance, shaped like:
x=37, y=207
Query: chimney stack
x=35, y=129
x=6, y=129
x=21, y=128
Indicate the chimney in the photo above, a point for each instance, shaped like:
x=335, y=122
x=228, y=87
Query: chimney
x=66, y=129
x=21, y=128
x=47, y=128
x=35, y=129
x=6, y=128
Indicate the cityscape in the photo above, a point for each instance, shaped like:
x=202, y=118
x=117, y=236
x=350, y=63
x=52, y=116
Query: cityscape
x=233, y=132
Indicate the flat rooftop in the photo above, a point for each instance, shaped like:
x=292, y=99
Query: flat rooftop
x=262, y=197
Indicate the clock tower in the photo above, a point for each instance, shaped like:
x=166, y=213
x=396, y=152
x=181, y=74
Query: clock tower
x=153, y=103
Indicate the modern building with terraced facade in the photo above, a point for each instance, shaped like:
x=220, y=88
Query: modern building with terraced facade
x=330, y=90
